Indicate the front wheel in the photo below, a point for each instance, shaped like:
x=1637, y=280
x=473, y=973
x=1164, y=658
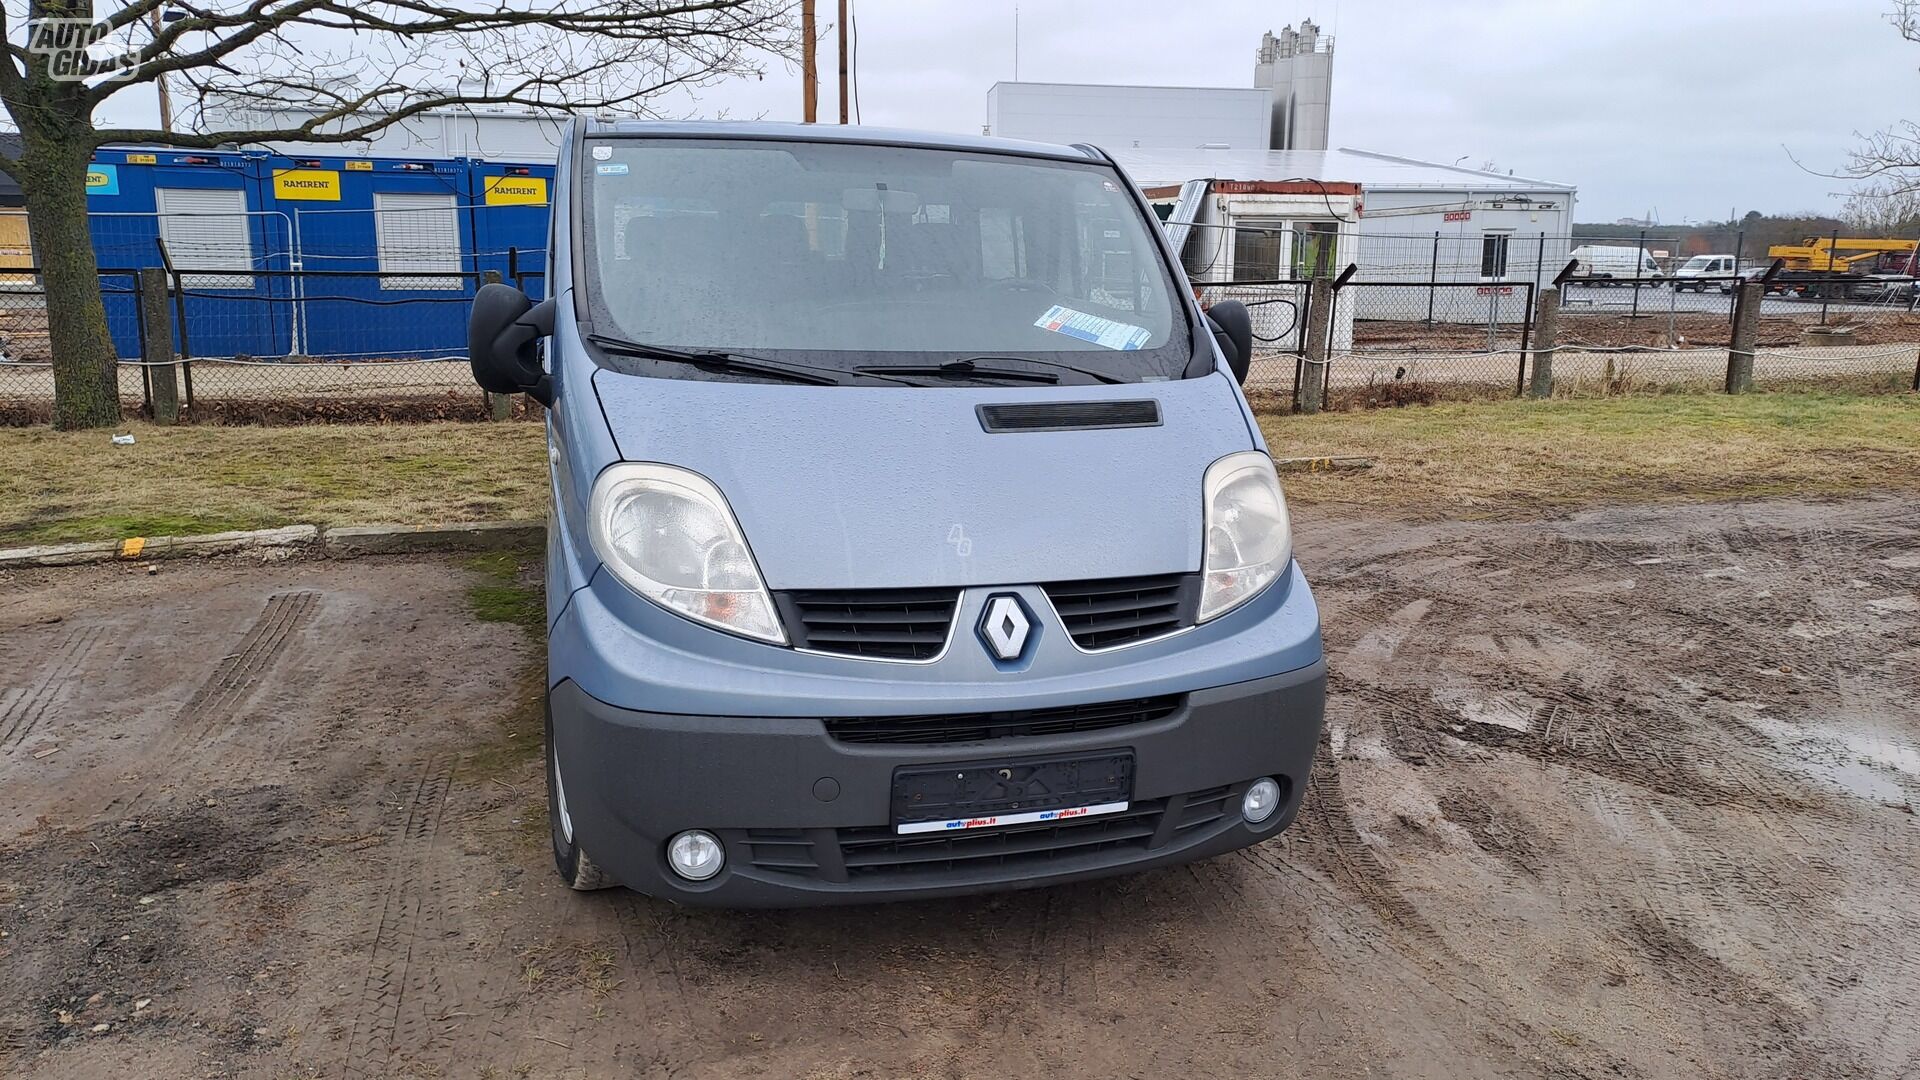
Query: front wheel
x=576, y=869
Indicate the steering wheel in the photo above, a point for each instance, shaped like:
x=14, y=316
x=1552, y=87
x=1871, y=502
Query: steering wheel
x=1022, y=284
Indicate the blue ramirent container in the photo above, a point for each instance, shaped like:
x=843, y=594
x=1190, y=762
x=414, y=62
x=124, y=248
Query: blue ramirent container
x=237, y=224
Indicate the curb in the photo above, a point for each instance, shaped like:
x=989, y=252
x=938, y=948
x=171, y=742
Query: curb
x=1321, y=464
x=350, y=541
x=345, y=542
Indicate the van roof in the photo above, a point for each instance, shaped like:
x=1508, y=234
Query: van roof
x=851, y=133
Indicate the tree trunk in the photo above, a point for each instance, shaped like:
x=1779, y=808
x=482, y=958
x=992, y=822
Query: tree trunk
x=86, y=381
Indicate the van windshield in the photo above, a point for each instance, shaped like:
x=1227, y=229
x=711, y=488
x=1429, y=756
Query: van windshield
x=847, y=255
x=1699, y=263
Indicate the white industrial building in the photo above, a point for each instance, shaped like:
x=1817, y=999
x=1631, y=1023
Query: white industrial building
x=492, y=132
x=1280, y=214
x=1296, y=68
x=1156, y=117
x=1249, y=203
x=1487, y=225
x=1286, y=108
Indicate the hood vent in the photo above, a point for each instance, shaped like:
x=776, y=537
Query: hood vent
x=1069, y=416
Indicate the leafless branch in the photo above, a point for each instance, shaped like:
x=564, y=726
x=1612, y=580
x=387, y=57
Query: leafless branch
x=254, y=71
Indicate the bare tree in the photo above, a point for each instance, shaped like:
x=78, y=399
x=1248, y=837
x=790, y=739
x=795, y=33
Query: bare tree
x=1889, y=159
x=1882, y=209
x=348, y=67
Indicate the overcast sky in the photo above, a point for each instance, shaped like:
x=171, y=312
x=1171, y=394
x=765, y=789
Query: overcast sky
x=1684, y=108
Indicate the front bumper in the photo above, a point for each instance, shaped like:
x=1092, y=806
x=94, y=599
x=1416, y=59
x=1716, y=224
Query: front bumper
x=805, y=818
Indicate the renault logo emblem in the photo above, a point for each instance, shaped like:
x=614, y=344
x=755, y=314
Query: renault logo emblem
x=1005, y=625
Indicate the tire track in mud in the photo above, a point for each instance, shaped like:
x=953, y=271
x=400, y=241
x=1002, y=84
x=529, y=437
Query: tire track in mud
x=240, y=671
x=1347, y=859
x=24, y=708
x=402, y=1000
x=651, y=983
x=1782, y=1037
x=232, y=681
x=1708, y=612
x=1332, y=844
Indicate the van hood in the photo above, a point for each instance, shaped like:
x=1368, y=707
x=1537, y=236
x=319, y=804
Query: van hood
x=893, y=487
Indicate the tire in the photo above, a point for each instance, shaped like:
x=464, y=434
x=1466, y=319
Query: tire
x=576, y=869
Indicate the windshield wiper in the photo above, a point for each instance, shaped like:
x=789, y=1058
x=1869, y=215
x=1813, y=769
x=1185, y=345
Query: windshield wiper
x=732, y=363
x=962, y=369
x=1097, y=376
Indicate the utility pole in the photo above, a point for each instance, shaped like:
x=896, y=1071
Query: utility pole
x=809, y=72
x=842, y=25
x=160, y=84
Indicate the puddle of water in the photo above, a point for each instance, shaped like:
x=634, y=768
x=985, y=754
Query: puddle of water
x=1896, y=603
x=1863, y=765
x=1883, y=752
x=1904, y=562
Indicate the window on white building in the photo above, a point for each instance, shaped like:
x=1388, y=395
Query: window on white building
x=1493, y=256
x=1316, y=248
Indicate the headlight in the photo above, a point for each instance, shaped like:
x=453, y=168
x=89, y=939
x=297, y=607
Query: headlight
x=668, y=535
x=1249, y=539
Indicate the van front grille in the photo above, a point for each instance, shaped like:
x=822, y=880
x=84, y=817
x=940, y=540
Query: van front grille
x=985, y=726
x=878, y=624
x=877, y=853
x=1122, y=611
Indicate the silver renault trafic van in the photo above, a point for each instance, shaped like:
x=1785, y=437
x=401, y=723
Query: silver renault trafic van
x=910, y=533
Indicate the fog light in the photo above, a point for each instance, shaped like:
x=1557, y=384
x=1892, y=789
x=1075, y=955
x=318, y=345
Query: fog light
x=1263, y=798
x=695, y=855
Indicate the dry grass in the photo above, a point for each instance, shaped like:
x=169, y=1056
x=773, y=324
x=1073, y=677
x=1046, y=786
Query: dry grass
x=1496, y=458
x=175, y=481
x=1479, y=459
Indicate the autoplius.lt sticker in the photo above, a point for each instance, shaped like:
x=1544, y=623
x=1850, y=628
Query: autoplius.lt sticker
x=1105, y=333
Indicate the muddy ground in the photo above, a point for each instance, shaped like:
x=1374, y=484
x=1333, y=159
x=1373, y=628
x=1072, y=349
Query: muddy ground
x=1624, y=795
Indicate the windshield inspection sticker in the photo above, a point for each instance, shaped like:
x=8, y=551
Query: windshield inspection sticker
x=617, y=168
x=1102, y=332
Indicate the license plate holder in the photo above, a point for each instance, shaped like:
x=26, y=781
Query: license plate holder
x=990, y=794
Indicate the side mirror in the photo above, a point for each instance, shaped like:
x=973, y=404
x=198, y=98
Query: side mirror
x=502, y=342
x=1233, y=329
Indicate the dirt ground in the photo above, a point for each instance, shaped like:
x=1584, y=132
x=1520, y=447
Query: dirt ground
x=1624, y=794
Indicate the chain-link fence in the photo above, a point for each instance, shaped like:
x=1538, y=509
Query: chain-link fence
x=1667, y=333
x=1412, y=318
x=1396, y=342
x=282, y=346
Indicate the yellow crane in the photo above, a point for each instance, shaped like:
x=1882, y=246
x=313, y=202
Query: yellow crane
x=1824, y=254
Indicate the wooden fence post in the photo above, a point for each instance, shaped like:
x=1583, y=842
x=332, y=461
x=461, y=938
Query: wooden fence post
x=1313, y=373
x=1546, y=334
x=1746, y=328
x=156, y=322
x=499, y=406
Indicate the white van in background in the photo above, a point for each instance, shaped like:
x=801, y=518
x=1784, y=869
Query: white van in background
x=1694, y=270
x=1600, y=263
